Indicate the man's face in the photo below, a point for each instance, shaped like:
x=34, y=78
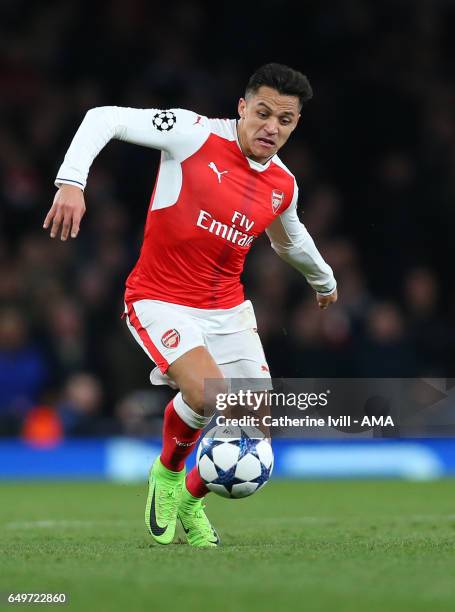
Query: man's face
x=267, y=119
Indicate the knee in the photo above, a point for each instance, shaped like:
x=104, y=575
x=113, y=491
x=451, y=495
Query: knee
x=194, y=397
x=202, y=397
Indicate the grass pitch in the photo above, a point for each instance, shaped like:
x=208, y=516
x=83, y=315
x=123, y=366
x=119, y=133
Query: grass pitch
x=314, y=546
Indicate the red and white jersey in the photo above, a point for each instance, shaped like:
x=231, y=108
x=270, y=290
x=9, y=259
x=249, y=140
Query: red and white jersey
x=209, y=204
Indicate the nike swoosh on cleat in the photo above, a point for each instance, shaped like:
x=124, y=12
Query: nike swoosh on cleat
x=154, y=527
x=217, y=539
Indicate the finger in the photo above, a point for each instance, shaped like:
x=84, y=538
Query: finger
x=76, y=226
x=66, y=225
x=56, y=223
x=49, y=217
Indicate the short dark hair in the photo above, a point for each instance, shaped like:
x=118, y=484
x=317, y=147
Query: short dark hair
x=285, y=80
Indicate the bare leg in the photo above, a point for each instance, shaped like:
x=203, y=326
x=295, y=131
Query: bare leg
x=190, y=372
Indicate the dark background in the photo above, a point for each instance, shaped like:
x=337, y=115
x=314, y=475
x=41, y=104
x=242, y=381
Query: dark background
x=373, y=156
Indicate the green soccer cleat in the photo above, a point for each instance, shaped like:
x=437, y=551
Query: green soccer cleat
x=196, y=525
x=163, y=499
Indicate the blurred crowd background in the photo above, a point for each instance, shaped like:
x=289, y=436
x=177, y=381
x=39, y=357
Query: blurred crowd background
x=374, y=157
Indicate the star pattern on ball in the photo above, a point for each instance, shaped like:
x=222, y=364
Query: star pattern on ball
x=263, y=476
x=235, y=469
x=246, y=445
x=207, y=447
x=227, y=478
x=164, y=120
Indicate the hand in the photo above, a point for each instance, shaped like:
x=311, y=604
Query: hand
x=67, y=210
x=325, y=300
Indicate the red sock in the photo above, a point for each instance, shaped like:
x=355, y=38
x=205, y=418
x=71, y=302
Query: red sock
x=178, y=440
x=194, y=484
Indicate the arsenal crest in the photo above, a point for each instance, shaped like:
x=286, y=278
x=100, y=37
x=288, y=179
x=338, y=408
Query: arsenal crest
x=170, y=339
x=277, y=200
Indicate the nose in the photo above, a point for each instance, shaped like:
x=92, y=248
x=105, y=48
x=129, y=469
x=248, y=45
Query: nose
x=271, y=127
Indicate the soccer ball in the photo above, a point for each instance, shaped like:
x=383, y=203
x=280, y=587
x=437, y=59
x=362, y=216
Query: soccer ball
x=234, y=462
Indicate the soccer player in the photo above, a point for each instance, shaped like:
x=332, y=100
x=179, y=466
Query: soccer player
x=220, y=185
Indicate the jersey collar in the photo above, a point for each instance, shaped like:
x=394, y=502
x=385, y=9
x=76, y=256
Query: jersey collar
x=254, y=165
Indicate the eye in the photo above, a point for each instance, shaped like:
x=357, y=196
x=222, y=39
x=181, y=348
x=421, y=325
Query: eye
x=262, y=114
x=285, y=121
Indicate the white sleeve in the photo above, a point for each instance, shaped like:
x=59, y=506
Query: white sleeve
x=292, y=242
x=179, y=132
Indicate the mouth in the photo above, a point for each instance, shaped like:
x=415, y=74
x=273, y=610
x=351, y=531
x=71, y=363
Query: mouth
x=268, y=143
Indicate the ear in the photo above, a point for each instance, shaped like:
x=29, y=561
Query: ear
x=242, y=107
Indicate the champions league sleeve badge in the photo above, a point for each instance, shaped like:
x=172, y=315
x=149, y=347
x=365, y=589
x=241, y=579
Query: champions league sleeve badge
x=164, y=121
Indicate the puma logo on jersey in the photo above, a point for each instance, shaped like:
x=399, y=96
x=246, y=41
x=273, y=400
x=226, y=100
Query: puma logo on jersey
x=219, y=174
x=198, y=120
